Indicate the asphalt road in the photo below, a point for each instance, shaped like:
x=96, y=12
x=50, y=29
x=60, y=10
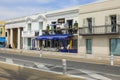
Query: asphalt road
x=99, y=68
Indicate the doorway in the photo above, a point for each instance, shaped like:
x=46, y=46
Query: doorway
x=113, y=23
x=89, y=24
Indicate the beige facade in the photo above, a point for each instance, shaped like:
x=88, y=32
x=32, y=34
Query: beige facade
x=2, y=29
x=100, y=14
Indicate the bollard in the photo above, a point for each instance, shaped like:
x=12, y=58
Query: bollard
x=112, y=60
x=40, y=53
x=64, y=66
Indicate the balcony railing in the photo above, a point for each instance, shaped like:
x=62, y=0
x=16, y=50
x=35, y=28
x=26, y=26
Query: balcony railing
x=30, y=33
x=60, y=31
x=100, y=30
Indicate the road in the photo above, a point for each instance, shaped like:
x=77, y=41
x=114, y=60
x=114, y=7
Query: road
x=90, y=70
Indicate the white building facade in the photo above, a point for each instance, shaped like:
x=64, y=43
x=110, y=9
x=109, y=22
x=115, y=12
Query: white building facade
x=33, y=27
x=21, y=32
x=14, y=29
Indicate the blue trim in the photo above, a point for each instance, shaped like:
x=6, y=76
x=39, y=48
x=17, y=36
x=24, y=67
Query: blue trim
x=2, y=39
x=68, y=51
x=54, y=37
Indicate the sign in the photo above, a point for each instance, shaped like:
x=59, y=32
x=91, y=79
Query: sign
x=61, y=20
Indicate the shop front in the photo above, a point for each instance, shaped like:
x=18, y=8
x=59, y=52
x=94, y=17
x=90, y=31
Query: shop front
x=58, y=42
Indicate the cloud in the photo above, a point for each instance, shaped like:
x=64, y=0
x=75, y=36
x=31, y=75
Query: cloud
x=25, y=1
x=8, y=13
x=18, y=8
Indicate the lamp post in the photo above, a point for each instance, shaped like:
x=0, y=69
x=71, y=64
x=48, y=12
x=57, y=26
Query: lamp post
x=40, y=54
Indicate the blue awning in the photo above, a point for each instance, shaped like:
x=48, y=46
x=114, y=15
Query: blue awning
x=2, y=39
x=55, y=37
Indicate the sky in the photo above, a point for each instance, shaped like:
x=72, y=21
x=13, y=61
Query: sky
x=18, y=8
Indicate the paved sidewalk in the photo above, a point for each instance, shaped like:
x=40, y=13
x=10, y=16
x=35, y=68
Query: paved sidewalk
x=58, y=55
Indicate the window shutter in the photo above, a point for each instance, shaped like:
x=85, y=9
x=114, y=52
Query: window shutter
x=106, y=20
x=84, y=22
x=118, y=19
x=93, y=21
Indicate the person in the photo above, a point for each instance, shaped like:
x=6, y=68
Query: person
x=68, y=47
x=10, y=46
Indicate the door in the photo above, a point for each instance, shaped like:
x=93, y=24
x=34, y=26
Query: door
x=113, y=23
x=29, y=43
x=70, y=24
x=54, y=27
x=89, y=46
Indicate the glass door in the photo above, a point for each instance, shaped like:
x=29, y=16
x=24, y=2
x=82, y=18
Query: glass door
x=115, y=46
x=29, y=43
x=89, y=46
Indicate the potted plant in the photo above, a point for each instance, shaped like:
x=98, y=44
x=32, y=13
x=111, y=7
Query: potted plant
x=75, y=26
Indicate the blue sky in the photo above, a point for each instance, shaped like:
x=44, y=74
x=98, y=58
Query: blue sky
x=17, y=8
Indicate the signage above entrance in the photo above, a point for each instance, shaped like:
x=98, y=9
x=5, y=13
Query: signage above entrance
x=61, y=20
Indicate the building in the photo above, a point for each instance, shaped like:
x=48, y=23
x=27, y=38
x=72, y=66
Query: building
x=2, y=34
x=98, y=36
x=14, y=28
x=60, y=30
x=34, y=25
x=99, y=33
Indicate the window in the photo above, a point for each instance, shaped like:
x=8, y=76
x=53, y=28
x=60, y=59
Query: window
x=89, y=46
x=115, y=46
x=40, y=25
x=29, y=26
x=70, y=23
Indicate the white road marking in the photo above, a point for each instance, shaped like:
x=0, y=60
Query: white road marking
x=95, y=75
x=9, y=60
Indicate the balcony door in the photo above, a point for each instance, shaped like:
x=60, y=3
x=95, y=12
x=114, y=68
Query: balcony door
x=113, y=23
x=89, y=20
x=70, y=24
x=54, y=27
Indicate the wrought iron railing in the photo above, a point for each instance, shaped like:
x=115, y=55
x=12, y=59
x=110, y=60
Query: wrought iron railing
x=60, y=31
x=104, y=29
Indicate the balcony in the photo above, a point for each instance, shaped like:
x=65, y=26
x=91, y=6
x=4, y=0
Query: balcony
x=100, y=30
x=60, y=31
x=30, y=33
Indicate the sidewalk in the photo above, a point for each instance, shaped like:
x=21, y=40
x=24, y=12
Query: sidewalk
x=58, y=55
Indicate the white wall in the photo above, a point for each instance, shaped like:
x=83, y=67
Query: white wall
x=15, y=25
